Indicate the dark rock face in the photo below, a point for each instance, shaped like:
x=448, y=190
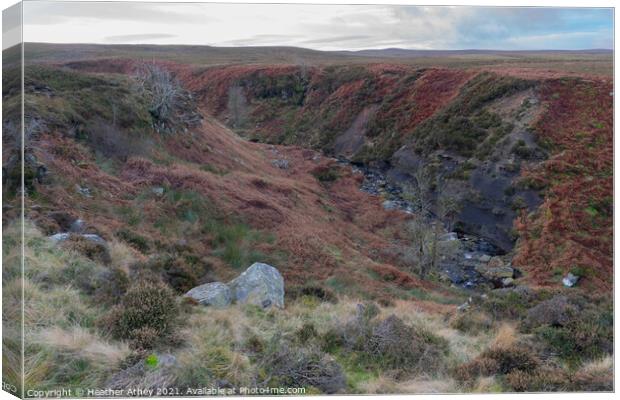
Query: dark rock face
x=488, y=195
x=486, y=186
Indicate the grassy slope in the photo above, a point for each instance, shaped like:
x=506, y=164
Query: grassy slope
x=573, y=229
x=66, y=344
x=222, y=195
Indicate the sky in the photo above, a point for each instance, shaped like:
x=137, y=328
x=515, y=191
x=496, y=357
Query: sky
x=322, y=27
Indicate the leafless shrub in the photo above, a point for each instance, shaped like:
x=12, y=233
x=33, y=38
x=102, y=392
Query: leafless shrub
x=172, y=108
x=293, y=366
x=393, y=345
x=556, y=311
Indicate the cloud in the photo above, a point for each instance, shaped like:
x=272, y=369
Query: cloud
x=338, y=39
x=263, y=39
x=52, y=13
x=322, y=27
x=137, y=37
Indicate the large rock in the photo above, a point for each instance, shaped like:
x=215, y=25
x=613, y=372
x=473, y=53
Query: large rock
x=216, y=294
x=261, y=284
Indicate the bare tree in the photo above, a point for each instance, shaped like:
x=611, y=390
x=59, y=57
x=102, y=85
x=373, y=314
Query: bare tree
x=420, y=192
x=422, y=255
x=434, y=205
x=448, y=205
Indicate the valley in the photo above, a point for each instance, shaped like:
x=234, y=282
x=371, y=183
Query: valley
x=424, y=212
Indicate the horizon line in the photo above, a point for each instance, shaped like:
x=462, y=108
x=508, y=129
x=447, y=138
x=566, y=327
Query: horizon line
x=311, y=49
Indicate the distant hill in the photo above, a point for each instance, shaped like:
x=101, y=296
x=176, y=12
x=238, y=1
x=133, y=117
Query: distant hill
x=408, y=53
x=594, y=61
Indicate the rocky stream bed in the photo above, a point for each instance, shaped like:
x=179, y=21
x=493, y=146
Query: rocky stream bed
x=475, y=264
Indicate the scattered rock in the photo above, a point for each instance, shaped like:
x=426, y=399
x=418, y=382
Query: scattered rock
x=94, y=238
x=261, y=284
x=216, y=294
x=507, y=282
x=280, y=163
x=448, y=237
x=390, y=205
x=84, y=191
x=496, y=274
x=495, y=262
x=61, y=237
x=485, y=258
x=498, y=211
x=570, y=280
x=158, y=191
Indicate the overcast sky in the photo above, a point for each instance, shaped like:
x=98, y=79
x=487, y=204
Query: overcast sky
x=323, y=27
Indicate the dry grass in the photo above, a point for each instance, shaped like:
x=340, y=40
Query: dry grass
x=505, y=337
x=387, y=385
x=80, y=341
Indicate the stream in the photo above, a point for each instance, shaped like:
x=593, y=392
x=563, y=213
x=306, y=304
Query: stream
x=459, y=267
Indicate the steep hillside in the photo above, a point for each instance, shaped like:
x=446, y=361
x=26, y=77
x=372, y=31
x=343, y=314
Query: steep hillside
x=475, y=134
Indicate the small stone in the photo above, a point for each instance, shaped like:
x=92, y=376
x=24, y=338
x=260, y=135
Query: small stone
x=84, y=191
x=507, y=282
x=570, y=280
x=158, y=191
x=448, y=237
x=280, y=163
x=390, y=205
x=59, y=237
x=496, y=262
x=94, y=238
x=485, y=258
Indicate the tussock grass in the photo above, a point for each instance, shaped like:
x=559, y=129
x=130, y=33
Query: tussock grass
x=313, y=342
